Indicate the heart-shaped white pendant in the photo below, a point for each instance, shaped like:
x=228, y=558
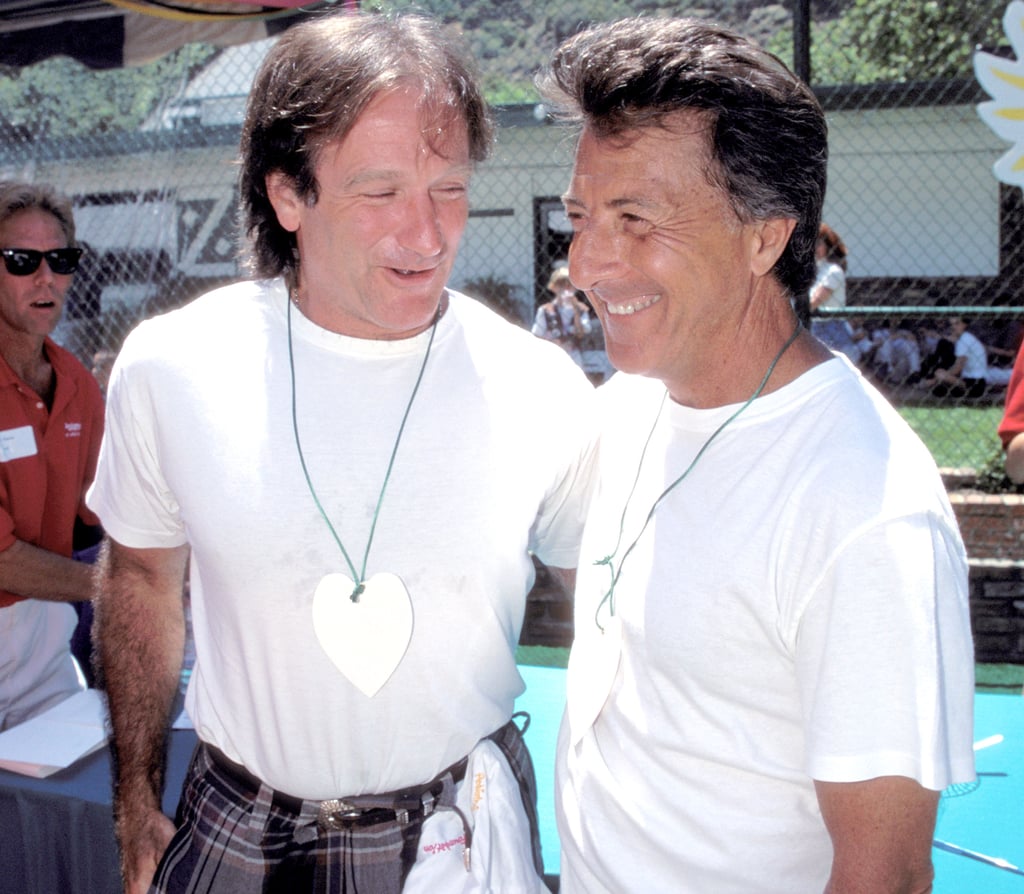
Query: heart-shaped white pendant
x=367, y=639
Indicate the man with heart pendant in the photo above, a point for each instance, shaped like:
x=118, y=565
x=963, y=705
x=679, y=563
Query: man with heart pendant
x=51, y=421
x=351, y=460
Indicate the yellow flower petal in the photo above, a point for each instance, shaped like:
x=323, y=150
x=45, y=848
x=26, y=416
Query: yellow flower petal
x=1012, y=79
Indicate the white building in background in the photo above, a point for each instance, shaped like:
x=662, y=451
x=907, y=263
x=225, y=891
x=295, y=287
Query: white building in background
x=911, y=191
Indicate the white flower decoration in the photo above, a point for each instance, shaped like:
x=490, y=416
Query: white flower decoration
x=1003, y=80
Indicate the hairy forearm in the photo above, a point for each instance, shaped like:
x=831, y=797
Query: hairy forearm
x=140, y=636
x=37, y=573
x=1015, y=459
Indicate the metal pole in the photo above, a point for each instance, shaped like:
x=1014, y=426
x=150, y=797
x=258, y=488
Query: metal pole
x=802, y=40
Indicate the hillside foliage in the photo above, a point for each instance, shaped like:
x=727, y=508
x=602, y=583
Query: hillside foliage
x=852, y=42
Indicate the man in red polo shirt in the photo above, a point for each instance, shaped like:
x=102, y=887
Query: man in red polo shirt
x=51, y=422
x=1011, y=428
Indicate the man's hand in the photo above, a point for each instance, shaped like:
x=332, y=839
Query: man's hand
x=143, y=842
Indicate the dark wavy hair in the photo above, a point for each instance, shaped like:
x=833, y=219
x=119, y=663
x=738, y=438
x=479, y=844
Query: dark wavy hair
x=768, y=136
x=16, y=196
x=314, y=84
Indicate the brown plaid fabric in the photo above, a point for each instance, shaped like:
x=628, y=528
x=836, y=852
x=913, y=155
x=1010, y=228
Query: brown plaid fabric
x=234, y=839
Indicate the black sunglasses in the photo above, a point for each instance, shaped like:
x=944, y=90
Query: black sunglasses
x=26, y=261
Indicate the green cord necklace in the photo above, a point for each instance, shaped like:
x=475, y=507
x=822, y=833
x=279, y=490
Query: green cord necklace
x=609, y=597
x=360, y=577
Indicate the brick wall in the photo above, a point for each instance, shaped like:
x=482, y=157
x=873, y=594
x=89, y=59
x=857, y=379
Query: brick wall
x=997, y=610
x=548, y=620
x=992, y=525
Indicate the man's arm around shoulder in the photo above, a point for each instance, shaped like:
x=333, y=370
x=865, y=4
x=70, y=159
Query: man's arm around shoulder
x=140, y=636
x=881, y=831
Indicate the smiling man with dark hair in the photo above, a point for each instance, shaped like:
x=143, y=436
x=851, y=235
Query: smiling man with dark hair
x=771, y=679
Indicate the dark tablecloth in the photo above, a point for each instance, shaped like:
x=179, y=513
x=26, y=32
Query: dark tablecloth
x=57, y=834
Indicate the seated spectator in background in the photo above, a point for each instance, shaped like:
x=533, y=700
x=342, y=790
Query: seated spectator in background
x=102, y=364
x=1000, y=365
x=1011, y=428
x=966, y=377
x=937, y=351
x=898, y=358
x=51, y=423
x=564, y=319
x=860, y=336
x=998, y=376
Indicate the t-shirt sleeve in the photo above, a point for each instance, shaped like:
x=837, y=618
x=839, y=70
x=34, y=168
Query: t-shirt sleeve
x=130, y=494
x=885, y=658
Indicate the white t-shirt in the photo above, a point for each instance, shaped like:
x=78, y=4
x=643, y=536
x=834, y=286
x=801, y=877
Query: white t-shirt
x=976, y=365
x=796, y=609
x=200, y=449
x=831, y=276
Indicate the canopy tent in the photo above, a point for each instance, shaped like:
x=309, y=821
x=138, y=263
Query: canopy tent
x=104, y=34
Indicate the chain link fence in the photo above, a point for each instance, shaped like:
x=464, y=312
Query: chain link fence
x=148, y=156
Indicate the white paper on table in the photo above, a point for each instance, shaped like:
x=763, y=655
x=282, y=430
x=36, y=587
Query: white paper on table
x=57, y=738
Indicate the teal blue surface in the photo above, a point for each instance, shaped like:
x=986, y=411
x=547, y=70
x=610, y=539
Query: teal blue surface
x=988, y=821
x=544, y=700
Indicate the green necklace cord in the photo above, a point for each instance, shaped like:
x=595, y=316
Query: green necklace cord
x=359, y=578
x=609, y=597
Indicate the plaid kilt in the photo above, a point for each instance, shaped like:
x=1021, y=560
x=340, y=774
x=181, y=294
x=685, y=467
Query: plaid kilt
x=232, y=839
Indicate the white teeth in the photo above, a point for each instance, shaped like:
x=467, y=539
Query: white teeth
x=631, y=308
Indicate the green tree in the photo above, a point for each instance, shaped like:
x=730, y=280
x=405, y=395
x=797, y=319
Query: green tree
x=835, y=55
x=872, y=41
x=923, y=40
x=60, y=97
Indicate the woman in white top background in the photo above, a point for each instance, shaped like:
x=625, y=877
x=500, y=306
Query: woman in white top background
x=829, y=292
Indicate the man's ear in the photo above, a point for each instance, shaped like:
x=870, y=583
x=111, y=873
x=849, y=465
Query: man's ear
x=285, y=201
x=770, y=240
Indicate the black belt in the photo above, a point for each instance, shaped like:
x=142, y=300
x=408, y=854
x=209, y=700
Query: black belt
x=357, y=810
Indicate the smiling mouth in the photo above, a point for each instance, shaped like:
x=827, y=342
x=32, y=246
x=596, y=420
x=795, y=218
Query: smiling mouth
x=412, y=272
x=632, y=307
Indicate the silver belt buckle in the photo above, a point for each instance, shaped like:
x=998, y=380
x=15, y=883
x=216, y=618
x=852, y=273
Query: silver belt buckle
x=334, y=812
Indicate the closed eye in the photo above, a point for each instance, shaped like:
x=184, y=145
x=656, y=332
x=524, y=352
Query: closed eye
x=453, y=191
